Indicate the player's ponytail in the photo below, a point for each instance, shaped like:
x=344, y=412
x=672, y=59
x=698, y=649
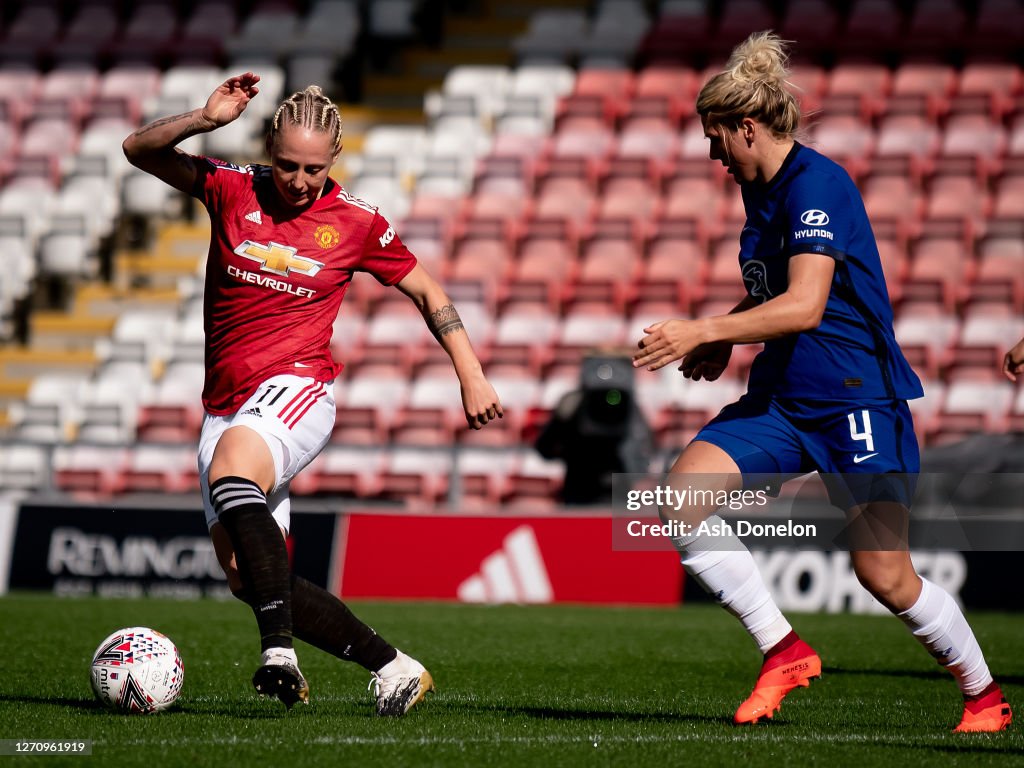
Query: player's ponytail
x=309, y=108
x=753, y=84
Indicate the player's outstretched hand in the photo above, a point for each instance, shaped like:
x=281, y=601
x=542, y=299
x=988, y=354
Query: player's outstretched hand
x=231, y=98
x=480, y=402
x=666, y=341
x=1013, y=363
x=707, y=361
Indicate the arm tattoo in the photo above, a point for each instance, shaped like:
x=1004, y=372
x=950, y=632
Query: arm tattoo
x=162, y=122
x=444, y=321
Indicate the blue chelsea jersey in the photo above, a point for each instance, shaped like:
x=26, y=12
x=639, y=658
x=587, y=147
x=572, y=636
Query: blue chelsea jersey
x=812, y=206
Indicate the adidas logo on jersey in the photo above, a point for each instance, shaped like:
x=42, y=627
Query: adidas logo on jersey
x=252, y=412
x=254, y=217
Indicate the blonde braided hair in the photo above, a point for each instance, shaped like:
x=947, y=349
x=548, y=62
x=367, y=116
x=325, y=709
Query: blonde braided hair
x=309, y=108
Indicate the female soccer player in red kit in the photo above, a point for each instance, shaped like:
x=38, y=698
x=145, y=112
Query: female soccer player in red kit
x=285, y=242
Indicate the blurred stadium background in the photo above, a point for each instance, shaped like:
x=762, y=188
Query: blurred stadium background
x=544, y=160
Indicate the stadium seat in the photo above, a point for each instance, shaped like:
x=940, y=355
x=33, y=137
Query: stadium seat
x=534, y=482
x=857, y=88
x=31, y=34
x=373, y=396
x=926, y=333
x=24, y=467
x=922, y=89
x=873, y=28
x=616, y=31
x=998, y=28
x=552, y=36
x=846, y=138
x=940, y=269
x=974, y=404
x=418, y=477
x=148, y=31
x=815, y=24
x=737, y=20
x=1000, y=272
x=935, y=27
x=345, y=471
x=88, y=32
x=987, y=88
x=88, y=470
x=483, y=476
x=972, y=143
x=159, y=469
x=1008, y=203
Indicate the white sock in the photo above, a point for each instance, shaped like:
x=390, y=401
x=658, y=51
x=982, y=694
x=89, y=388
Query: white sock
x=723, y=566
x=939, y=624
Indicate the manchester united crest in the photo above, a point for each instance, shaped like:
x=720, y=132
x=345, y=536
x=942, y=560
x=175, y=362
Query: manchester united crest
x=326, y=236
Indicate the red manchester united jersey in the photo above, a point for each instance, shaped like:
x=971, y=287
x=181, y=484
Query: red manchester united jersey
x=275, y=278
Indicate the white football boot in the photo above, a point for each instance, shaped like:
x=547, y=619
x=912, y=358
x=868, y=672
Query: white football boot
x=400, y=685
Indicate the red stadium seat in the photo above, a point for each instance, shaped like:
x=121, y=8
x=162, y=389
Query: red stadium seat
x=483, y=475
x=847, y=139
x=927, y=410
x=935, y=27
x=987, y=88
x=956, y=206
x=344, y=470
x=738, y=19
x=664, y=91
x=988, y=331
x=159, y=469
x=975, y=402
x=972, y=143
x=815, y=25
x=872, y=27
x=416, y=477
x=373, y=396
x=88, y=470
x=858, y=89
x=940, y=270
x=1000, y=272
x=926, y=332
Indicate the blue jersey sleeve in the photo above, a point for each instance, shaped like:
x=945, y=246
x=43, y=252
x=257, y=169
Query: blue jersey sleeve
x=820, y=216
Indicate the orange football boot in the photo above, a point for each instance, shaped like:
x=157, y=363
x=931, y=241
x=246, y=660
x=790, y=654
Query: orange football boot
x=986, y=713
x=781, y=672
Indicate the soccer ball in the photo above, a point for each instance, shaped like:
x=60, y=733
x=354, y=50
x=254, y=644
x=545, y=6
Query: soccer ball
x=137, y=669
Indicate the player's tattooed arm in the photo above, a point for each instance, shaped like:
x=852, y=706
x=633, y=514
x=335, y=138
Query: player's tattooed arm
x=152, y=148
x=444, y=321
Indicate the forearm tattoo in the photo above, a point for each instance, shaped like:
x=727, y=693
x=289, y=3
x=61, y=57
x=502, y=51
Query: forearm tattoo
x=445, y=320
x=190, y=129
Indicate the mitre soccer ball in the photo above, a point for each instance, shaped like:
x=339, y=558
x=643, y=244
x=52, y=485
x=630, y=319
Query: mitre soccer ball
x=137, y=669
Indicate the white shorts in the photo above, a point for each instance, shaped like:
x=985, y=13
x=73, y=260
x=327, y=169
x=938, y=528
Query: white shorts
x=295, y=417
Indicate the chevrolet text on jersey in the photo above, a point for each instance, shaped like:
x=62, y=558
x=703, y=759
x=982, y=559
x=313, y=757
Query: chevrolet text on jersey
x=268, y=282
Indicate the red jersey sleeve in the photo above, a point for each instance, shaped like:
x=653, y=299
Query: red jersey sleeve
x=384, y=254
x=215, y=178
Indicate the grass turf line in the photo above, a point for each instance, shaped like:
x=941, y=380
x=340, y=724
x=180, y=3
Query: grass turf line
x=536, y=685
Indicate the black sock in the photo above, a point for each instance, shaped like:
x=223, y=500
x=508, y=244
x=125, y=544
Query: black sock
x=260, y=554
x=323, y=621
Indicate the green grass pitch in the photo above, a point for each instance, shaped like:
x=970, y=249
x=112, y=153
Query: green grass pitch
x=546, y=686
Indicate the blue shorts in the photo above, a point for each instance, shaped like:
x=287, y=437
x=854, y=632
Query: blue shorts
x=866, y=450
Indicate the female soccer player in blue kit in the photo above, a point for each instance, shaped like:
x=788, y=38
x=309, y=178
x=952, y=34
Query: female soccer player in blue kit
x=828, y=393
